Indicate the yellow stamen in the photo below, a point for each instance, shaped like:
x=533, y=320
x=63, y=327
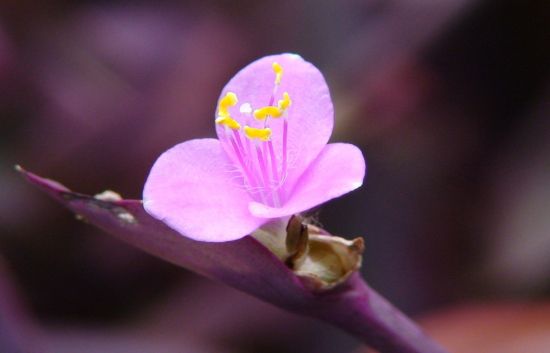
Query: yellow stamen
x=263, y=113
x=229, y=100
x=285, y=102
x=261, y=134
x=229, y=122
x=278, y=72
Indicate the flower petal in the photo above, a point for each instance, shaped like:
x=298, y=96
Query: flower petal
x=192, y=189
x=339, y=169
x=310, y=117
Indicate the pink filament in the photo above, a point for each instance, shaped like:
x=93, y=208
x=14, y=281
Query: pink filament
x=273, y=93
x=239, y=142
x=273, y=162
x=250, y=178
x=263, y=168
x=256, y=172
x=285, y=134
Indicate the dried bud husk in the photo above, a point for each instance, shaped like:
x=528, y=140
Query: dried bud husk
x=320, y=259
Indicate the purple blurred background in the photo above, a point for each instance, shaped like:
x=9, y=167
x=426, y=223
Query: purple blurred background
x=448, y=100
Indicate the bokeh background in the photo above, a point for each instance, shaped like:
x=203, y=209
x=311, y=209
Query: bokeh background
x=448, y=99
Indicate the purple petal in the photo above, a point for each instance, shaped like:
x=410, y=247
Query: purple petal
x=339, y=169
x=192, y=189
x=310, y=117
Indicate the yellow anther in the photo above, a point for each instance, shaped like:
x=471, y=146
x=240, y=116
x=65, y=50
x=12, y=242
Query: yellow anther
x=278, y=72
x=285, y=102
x=263, y=113
x=261, y=134
x=229, y=100
x=229, y=122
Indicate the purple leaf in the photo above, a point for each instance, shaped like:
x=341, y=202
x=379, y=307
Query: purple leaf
x=248, y=265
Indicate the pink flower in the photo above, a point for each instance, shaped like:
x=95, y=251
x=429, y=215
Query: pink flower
x=271, y=158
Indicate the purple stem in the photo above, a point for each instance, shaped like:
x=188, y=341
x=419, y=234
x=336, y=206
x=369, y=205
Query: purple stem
x=362, y=312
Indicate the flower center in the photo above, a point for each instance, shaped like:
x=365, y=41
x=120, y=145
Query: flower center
x=263, y=156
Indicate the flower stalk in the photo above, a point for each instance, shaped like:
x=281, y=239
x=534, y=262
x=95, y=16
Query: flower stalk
x=358, y=309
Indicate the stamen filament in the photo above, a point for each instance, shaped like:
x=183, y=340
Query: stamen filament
x=239, y=142
x=250, y=178
x=273, y=94
x=263, y=168
x=248, y=151
x=277, y=186
x=284, y=168
x=273, y=162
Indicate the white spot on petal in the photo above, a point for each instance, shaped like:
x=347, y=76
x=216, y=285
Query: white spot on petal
x=246, y=108
x=258, y=209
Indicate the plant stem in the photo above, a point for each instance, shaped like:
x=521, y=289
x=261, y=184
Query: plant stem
x=361, y=311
